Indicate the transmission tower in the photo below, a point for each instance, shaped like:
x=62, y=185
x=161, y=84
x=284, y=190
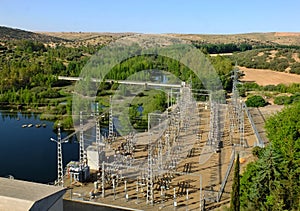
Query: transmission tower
x=98, y=134
x=150, y=168
x=60, y=172
x=235, y=92
x=238, y=109
x=81, y=142
x=242, y=125
x=111, y=124
x=150, y=177
x=214, y=131
x=160, y=150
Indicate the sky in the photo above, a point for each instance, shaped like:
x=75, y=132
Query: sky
x=152, y=16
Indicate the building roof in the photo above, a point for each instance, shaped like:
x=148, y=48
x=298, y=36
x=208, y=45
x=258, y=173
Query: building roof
x=26, y=193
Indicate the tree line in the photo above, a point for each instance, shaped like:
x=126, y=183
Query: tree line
x=222, y=47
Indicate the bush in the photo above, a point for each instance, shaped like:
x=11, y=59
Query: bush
x=256, y=101
x=295, y=68
x=282, y=100
x=295, y=98
x=49, y=93
x=257, y=151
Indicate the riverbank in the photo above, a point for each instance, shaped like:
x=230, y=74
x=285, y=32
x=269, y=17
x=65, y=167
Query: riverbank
x=46, y=113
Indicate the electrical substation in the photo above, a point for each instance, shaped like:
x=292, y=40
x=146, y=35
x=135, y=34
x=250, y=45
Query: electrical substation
x=183, y=161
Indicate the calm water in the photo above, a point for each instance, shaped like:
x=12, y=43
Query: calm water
x=28, y=153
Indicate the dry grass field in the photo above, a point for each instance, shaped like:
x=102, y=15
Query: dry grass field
x=268, y=77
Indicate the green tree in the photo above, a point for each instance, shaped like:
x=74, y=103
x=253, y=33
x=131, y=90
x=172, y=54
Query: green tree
x=235, y=193
x=284, y=132
x=272, y=182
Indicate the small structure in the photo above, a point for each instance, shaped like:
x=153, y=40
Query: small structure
x=22, y=195
x=95, y=156
x=78, y=171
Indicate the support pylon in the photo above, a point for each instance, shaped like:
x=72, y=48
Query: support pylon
x=60, y=172
x=150, y=169
x=81, y=142
x=111, y=124
x=98, y=134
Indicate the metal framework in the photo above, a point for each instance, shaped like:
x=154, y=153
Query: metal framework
x=111, y=123
x=98, y=134
x=150, y=167
x=60, y=171
x=165, y=148
x=237, y=111
x=82, y=158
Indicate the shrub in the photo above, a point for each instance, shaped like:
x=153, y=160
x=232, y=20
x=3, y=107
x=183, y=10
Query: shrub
x=257, y=151
x=256, y=101
x=282, y=100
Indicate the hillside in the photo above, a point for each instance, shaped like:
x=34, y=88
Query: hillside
x=272, y=38
x=96, y=38
x=278, y=59
x=7, y=33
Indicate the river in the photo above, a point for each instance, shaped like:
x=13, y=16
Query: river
x=27, y=153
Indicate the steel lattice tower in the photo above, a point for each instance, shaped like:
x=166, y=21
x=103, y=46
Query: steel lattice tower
x=150, y=168
x=60, y=172
x=111, y=124
x=81, y=142
x=150, y=177
x=98, y=133
x=242, y=126
x=160, y=150
x=238, y=109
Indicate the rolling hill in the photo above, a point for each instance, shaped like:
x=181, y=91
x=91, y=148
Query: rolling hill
x=7, y=33
x=271, y=38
